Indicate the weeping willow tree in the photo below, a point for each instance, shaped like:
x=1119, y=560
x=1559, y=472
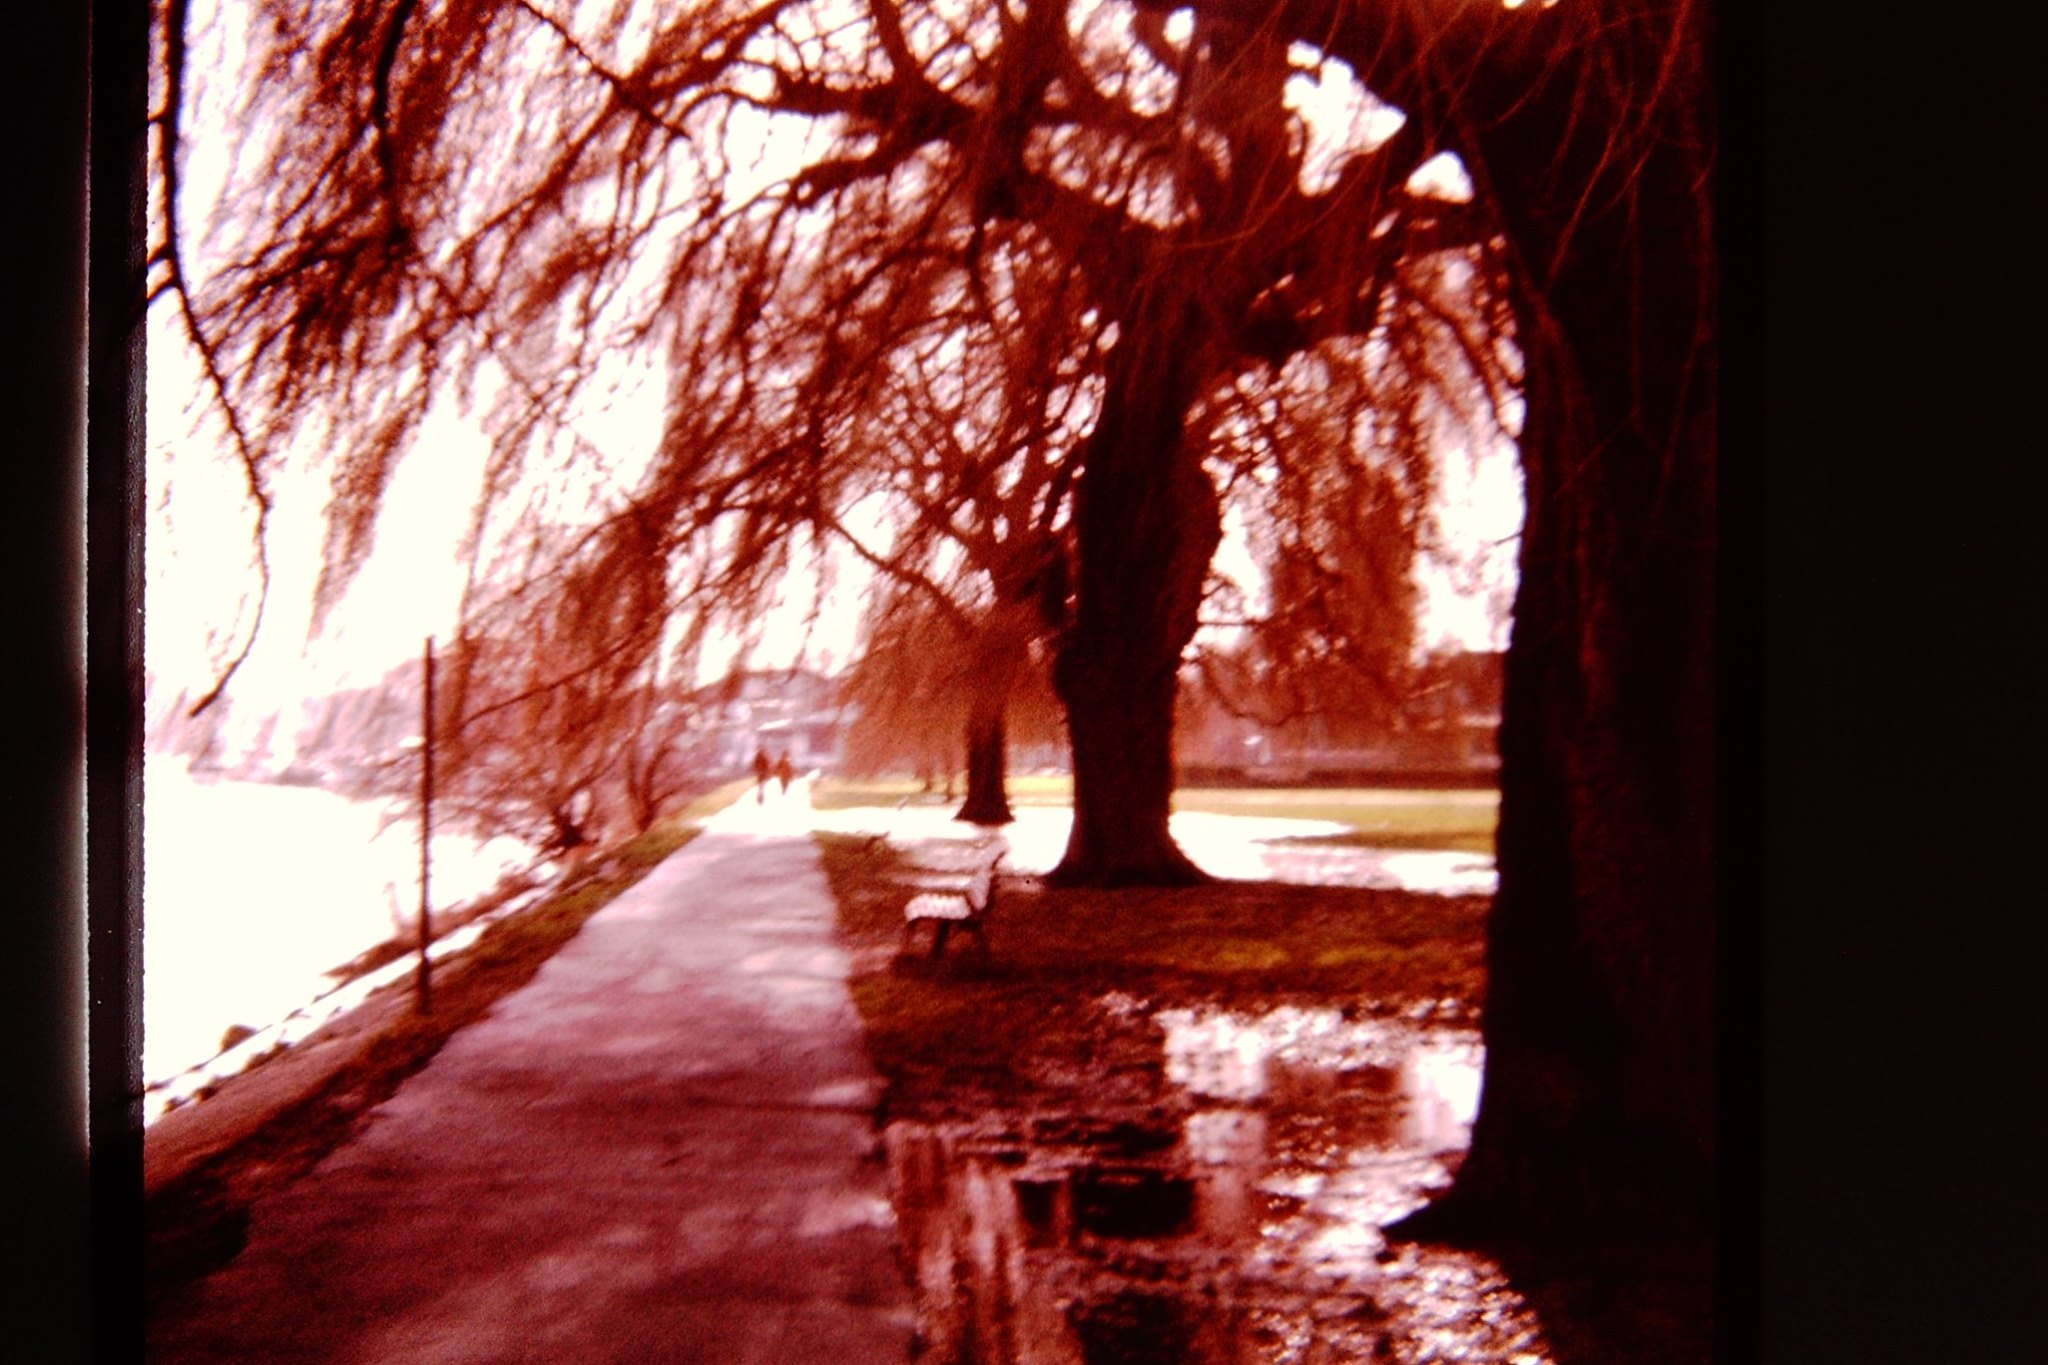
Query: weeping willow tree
x=983, y=416
x=555, y=718
x=1322, y=459
x=938, y=693
x=763, y=203
x=771, y=207
x=1331, y=472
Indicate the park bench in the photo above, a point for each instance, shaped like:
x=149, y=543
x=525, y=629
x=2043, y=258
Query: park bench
x=962, y=904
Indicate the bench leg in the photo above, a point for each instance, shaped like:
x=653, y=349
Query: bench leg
x=941, y=929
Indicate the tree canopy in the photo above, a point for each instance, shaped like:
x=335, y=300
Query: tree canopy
x=975, y=269
x=1164, y=265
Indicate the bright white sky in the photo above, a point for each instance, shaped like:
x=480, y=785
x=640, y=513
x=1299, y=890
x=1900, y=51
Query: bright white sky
x=201, y=579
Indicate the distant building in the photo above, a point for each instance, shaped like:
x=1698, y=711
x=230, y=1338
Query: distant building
x=792, y=711
x=1447, y=728
x=1454, y=718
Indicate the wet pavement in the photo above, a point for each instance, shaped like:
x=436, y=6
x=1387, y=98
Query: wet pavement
x=662, y=1148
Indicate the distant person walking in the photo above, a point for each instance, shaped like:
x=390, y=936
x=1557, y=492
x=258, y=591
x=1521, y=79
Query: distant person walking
x=784, y=772
x=761, y=770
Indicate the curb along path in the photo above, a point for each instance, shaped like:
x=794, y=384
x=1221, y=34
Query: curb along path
x=660, y=1149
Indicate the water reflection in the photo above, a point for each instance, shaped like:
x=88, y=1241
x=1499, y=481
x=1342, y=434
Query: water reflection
x=1240, y=1225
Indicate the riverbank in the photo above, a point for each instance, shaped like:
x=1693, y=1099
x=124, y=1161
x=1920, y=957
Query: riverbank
x=258, y=897
x=206, y=1163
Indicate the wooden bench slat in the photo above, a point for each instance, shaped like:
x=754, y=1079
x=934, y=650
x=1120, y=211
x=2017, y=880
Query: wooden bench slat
x=954, y=902
x=938, y=905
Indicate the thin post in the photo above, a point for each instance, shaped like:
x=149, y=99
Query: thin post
x=424, y=995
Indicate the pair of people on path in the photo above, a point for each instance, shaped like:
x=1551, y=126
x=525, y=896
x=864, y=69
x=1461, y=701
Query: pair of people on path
x=781, y=768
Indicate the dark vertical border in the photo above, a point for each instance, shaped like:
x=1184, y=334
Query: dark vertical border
x=1907, y=558
x=114, y=582
x=1739, y=637
x=43, y=1199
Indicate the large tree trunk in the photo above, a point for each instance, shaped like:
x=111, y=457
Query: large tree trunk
x=1598, y=1103
x=999, y=652
x=1147, y=524
x=988, y=797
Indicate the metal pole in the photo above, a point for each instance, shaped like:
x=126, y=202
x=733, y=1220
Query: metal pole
x=424, y=997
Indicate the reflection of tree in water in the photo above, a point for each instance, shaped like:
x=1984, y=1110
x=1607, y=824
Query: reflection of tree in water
x=1246, y=1230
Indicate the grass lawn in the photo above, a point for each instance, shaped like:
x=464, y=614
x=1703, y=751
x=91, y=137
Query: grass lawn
x=1379, y=817
x=1022, y=1025
x=841, y=793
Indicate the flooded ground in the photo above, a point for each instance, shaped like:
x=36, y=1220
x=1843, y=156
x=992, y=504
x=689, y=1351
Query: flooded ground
x=1229, y=1210
x=1238, y=1222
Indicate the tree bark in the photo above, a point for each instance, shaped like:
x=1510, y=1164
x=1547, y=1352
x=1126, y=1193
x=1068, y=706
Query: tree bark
x=988, y=797
x=1147, y=524
x=998, y=657
x=998, y=653
x=1598, y=1103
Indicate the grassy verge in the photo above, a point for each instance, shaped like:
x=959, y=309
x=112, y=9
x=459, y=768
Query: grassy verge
x=1379, y=817
x=195, y=1217
x=840, y=793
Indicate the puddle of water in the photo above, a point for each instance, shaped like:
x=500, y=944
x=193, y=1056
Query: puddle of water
x=1425, y=871
x=1242, y=1226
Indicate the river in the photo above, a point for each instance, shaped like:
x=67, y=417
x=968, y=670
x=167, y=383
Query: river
x=254, y=892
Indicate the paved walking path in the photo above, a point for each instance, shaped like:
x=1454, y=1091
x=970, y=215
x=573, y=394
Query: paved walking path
x=660, y=1149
